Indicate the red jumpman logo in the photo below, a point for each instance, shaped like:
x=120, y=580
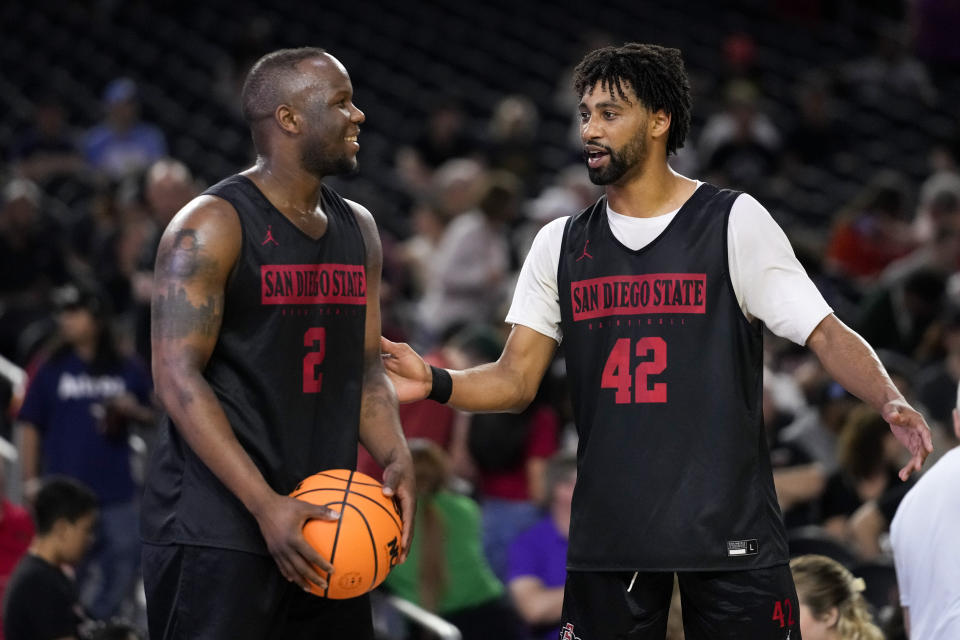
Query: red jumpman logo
x=585, y=254
x=270, y=237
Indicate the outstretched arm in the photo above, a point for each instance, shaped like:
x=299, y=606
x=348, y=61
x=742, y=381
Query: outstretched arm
x=380, y=430
x=509, y=384
x=853, y=363
x=195, y=257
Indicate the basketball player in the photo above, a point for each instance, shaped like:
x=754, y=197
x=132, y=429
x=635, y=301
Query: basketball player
x=265, y=339
x=659, y=291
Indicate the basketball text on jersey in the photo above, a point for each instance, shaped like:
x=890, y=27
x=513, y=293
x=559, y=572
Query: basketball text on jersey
x=567, y=633
x=313, y=284
x=632, y=295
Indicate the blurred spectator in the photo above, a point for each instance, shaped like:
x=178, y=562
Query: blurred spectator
x=868, y=454
x=510, y=453
x=169, y=186
x=16, y=533
x=74, y=421
x=511, y=143
x=817, y=137
x=739, y=144
x=41, y=602
x=896, y=316
x=797, y=478
x=937, y=382
x=938, y=206
x=122, y=144
x=444, y=137
x=32, y=260
x=469, y=272
x=570, y=193
x=815, y=430
x=869, y=524
x=889, y=71
x=416, y=252
x=873, y=230
x=445, y=571
x=537, y=565
x=831, y=601
x=48, y=149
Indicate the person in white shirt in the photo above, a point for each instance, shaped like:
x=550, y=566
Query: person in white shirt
x=924, y=535
x=692, y=270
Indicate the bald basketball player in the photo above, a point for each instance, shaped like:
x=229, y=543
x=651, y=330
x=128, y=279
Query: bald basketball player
x=265, y=342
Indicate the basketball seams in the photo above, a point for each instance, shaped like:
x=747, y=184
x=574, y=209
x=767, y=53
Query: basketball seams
x=373, y=542
x=336, y=535
x=365, y=484
x=347, y=491
x=374, y=501
x=351, y=482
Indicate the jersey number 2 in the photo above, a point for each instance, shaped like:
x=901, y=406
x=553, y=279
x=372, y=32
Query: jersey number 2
x=316, y=338
x=616, y=372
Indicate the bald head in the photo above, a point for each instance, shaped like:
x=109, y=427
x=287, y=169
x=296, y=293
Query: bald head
x=272, y=79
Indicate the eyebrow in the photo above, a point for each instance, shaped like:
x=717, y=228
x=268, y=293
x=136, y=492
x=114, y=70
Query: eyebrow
x=606, y=104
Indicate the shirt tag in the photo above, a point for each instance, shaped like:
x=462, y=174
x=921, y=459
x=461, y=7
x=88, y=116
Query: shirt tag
x=742, y=547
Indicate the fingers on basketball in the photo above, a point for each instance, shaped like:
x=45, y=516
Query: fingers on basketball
x=363, y=544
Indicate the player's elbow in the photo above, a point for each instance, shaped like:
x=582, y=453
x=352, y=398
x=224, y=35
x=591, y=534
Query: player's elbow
x=522, y=397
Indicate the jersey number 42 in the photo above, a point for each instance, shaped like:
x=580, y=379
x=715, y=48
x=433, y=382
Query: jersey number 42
x=636, y=387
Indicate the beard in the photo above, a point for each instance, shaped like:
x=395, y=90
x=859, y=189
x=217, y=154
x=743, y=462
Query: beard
x=322, y=158
x=620, y=161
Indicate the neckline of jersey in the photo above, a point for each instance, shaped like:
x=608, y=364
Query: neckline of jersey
x=676, y=216
x=263, y=197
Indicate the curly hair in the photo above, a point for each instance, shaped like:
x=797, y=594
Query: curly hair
x=655, y=74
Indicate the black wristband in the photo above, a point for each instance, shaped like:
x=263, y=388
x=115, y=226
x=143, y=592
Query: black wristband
x=442, y=385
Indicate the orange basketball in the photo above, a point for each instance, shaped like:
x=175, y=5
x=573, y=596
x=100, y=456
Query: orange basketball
x=364, y=543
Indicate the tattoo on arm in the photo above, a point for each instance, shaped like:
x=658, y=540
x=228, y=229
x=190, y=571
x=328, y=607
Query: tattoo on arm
x=173, y=314
x=184, y=260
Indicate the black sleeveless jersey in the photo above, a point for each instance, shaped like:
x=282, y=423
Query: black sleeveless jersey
x=287, y=370
x=666, y=378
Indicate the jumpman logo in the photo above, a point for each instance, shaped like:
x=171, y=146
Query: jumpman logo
x=585, y=254
x=269, y=237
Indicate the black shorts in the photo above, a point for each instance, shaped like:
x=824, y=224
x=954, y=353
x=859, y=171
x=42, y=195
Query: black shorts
x=757, y=604
x=205, y=593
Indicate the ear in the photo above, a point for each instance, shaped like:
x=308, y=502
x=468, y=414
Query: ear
x=288, y=119
x=831, y=617
x=659, y=124
x=956, y=423
x=59, y=528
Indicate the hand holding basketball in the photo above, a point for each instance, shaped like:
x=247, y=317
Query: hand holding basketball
x=408, y=372
x=399, y=481
x=364, y=544
x=281, y=522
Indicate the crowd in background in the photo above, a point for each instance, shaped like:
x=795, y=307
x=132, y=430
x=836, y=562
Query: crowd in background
x=76, y=282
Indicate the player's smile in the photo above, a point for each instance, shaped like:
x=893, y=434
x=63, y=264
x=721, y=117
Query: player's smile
x=352, y=141
x=596, y=155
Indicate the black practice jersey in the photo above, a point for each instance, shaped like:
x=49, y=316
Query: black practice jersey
x=287, y=369
x=666, y=377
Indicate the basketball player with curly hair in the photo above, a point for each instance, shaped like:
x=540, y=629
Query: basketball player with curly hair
x=659, y=292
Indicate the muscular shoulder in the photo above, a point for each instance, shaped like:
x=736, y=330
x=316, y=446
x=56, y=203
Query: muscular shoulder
x=368, y=227
x=204, y=235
